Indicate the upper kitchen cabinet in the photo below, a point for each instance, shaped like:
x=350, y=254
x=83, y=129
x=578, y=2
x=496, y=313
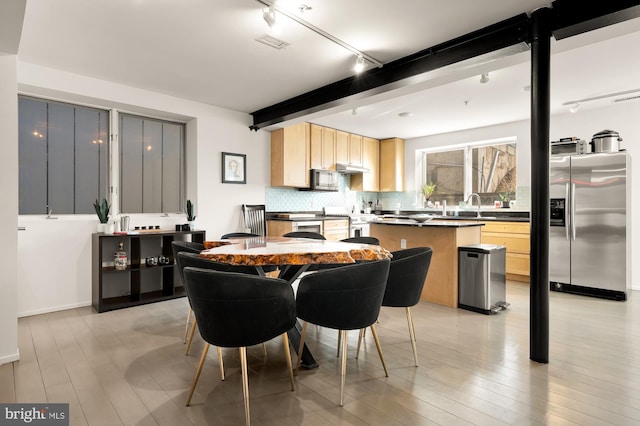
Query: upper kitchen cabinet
x=323, y=147
x=370, y=159
x=392, y=165
x=290, y=153
x=348, y=148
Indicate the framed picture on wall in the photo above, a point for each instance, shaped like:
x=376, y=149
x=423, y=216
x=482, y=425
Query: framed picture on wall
x=234, y=168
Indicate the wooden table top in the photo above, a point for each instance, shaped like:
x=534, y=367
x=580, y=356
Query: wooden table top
x=259, y=251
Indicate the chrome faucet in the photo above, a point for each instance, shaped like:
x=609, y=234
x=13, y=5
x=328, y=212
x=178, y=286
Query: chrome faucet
x=478, y=197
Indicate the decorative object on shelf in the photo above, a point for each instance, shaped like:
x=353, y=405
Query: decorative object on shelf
x=191, y=217
x=120, y=258
x=427, y=191
x=163, y=260
x=151, y=261
x=505, y=198
x=234, y=168
x=102, y=210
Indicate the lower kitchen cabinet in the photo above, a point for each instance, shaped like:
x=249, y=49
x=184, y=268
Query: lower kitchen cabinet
x=138, y=283
x=336, y=230
x=515, y=237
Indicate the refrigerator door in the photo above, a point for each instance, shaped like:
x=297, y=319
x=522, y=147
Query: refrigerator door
x=559, y=241
x=598, y=226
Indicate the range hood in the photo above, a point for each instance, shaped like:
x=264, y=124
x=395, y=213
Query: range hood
x=350, y=169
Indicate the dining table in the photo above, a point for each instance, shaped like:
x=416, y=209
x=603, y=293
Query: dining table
x=292, y=256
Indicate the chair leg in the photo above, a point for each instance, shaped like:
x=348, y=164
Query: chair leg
x=375, y=337
x=343, y=370
x=301, y=346
x=245, y=384
x=221, y=362
x=193, y=331
x=412, y=334
x=198, y=371
x=186, y=328
x=287, y=354
x=264, y=349
x=360, y=336
x=339, y=343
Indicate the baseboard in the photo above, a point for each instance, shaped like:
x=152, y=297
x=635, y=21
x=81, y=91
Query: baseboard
x=53, y=309
x=10, y=358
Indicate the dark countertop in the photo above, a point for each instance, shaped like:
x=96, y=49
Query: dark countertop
x=431, y=223
x=497, y=215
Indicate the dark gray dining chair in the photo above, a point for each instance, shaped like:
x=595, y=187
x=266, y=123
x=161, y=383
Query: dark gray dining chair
x=305, y=234
x=238, y=310
x=239, y=235
x=189, y=247
x=407, y=274
x=346, y=298
x=362, y=240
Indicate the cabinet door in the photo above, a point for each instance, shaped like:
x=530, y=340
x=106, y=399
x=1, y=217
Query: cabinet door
x=355, y=150
x=290, y=156
x=342, y=147
x=370, y=159
x=392, y=164
x=323, y=148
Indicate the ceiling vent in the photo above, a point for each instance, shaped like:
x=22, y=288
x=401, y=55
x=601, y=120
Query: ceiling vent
x=272, y=42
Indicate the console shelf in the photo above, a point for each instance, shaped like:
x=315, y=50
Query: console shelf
x=138, y=283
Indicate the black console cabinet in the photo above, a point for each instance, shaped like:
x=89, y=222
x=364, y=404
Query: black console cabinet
x=138, y=283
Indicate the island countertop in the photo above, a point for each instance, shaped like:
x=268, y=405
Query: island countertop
x=434, y=223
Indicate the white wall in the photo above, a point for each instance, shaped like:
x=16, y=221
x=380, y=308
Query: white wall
x=8, y=209
x=61, y=248
x=623, y=117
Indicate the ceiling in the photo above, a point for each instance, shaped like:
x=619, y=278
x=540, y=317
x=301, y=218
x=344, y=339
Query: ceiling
x=206, y=50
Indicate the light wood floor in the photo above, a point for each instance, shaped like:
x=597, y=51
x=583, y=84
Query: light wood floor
x=128, y=367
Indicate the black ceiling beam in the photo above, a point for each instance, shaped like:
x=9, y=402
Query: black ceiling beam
x=573, y=17
x=570, y=17
x=489, y=39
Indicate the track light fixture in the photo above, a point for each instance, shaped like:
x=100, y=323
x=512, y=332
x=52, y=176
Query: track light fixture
x=360, y=64
x=269, y=17
x=484, y=78
x=574, y=107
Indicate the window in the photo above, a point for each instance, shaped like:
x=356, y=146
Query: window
x=486, y=169
x=63, y=156
x=151, y=171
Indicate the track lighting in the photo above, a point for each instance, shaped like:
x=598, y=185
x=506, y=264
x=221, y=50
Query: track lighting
x=360, y=65
x=270, y=18
x=574, y=107
x=484, y=78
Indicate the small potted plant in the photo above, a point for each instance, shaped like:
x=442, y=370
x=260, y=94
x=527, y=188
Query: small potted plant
x=102, y=210
x=505, y=198
x=191, y=217
x=427, y=191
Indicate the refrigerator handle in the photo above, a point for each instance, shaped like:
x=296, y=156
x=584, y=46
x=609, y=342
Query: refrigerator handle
x=573, y=211
x=566, y=212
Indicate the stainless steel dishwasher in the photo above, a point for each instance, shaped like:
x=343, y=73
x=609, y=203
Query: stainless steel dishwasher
x=482, y=278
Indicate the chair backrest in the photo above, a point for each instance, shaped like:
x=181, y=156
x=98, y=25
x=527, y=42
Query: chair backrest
x=195, y=261
x=239, y=235
x=407, y=273
x=235, y=310
x=184, y=246
x=255, y=218
x=362, y=240
x=345, y=298
x=305, y=234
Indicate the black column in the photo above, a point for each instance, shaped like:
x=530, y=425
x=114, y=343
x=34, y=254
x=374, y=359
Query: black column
x=540, y=107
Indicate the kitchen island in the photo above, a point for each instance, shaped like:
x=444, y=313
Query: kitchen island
x=444, y=237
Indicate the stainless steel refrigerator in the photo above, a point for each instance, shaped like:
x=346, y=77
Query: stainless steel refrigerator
x=588, y=224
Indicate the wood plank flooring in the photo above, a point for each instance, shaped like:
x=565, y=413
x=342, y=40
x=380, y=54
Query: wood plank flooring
x=128, y=367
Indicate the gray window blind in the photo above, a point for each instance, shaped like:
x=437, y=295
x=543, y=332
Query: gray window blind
x=63, y=155
x=151, y=171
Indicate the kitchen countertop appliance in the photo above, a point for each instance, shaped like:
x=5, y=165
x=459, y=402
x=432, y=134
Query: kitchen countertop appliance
x=588, y=241
x=606, y=141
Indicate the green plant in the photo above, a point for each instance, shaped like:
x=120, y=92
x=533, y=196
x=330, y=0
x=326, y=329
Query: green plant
x=102, y=210
x=428, y=189
x=505, y=196
x=190, y=213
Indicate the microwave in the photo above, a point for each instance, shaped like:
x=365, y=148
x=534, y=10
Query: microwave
x=323, y=180
x=570, y=146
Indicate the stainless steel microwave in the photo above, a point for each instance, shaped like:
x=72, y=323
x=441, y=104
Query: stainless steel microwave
x=323, y=180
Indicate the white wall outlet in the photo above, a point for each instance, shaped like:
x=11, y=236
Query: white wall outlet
x=403, y=243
